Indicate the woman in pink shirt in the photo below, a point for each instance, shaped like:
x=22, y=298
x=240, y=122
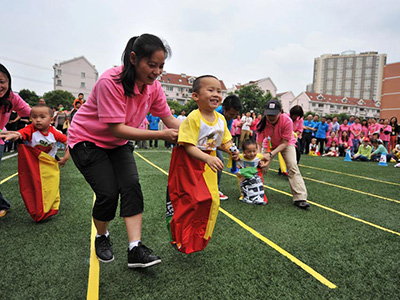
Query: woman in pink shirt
x=237, y=128
x=9, y=101
x=385, y=131
x=345, y=143
x=330, y=139
x=344, y=127
x=278, y=128
x=364, y=127
x=355, y=130
x=373, y=127
x=99, y=139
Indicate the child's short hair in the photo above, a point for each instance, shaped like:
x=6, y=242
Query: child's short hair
x=248, y=142
x=313, y=139
x=50, y=110
x=197, y=83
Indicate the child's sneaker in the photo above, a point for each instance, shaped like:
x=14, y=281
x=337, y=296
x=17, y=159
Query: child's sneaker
x=397, y=165
x=103, y=248
x=222, y=196
x=142, y=257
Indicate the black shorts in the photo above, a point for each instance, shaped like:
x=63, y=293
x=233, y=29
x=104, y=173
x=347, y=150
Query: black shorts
x=111, y=173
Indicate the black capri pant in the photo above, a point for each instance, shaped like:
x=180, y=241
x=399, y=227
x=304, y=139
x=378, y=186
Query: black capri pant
x=111, y=173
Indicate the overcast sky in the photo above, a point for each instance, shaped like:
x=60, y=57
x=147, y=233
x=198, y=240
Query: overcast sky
x=237, y=41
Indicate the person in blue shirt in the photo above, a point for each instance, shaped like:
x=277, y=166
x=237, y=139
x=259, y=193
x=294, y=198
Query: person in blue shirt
x=153, y=125
x=322, y=129
x=230, y=108
x=308, y=130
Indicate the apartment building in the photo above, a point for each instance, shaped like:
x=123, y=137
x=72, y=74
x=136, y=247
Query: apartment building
x=349, y=74
x=390, y=104
x=323, y=105
x=76, y=76
x=178, y=87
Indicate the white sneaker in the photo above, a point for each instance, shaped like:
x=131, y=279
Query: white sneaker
x=396, y=166
x=222, y=196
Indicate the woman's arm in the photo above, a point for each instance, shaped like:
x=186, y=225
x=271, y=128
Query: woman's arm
x=171, y=122
x=122, y=131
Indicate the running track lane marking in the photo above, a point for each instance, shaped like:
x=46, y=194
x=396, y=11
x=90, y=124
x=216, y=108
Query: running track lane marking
x=347, y=188
x=94, y=266
x=8, y=178
x=332, y=210
x=305, y=267
x=296, y=261
x=9, y=156
x=352, y=175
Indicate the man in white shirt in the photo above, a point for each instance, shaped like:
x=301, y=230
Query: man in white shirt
x=246, y=132
x=182, y=116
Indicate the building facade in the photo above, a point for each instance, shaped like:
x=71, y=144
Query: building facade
x=390, y=105
x=286, y=99
x=178, y=87
x=266, y=84
x=349, y=74
x=76, y=76
x=324, y=105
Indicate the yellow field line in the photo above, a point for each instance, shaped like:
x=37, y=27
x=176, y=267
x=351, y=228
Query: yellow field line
x=347, y=188
x=94, y=267
x=331, y=209
x=8, y=178
x=298, y=262
x=352, y=175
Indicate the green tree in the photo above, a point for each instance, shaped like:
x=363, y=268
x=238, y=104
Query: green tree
x=189, y=106
x=175, y=105
x=29, y=96
x=253, y=98
x=53, y=98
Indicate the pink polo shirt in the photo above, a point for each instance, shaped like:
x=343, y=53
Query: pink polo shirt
x=356, y=128
x=18, y=105
x=344, y=128
x=283, y=129
x=107, y=103
x=385, y=137
x=297, y=124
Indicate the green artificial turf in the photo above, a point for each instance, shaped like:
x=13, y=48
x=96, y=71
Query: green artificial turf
x=50, y=260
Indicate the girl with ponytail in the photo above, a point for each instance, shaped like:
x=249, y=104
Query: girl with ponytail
x=100, y=141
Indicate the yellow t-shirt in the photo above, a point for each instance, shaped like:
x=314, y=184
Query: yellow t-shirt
x=204, y=135
x=246, y=163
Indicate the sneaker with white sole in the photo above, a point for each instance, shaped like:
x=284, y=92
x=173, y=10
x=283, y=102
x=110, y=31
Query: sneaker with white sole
x=103, y=248
x=222, y=196
x=142, y=257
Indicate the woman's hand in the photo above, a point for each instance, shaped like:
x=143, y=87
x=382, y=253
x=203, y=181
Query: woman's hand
x=170, y=135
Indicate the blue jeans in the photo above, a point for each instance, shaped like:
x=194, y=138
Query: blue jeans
x=4, y=204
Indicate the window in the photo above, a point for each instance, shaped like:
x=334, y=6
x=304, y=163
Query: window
x=83, y=75
x=83, y=85
x=59, y=82
x=170, y=88
x=59, y=72
x=320, y=105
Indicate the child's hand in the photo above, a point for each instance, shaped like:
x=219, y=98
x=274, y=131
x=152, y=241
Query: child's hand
x=62, y=162
x=215, y=163
x=235, y=155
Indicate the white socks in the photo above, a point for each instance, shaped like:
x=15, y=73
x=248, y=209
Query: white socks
x=133, y=244
x=99, y=235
